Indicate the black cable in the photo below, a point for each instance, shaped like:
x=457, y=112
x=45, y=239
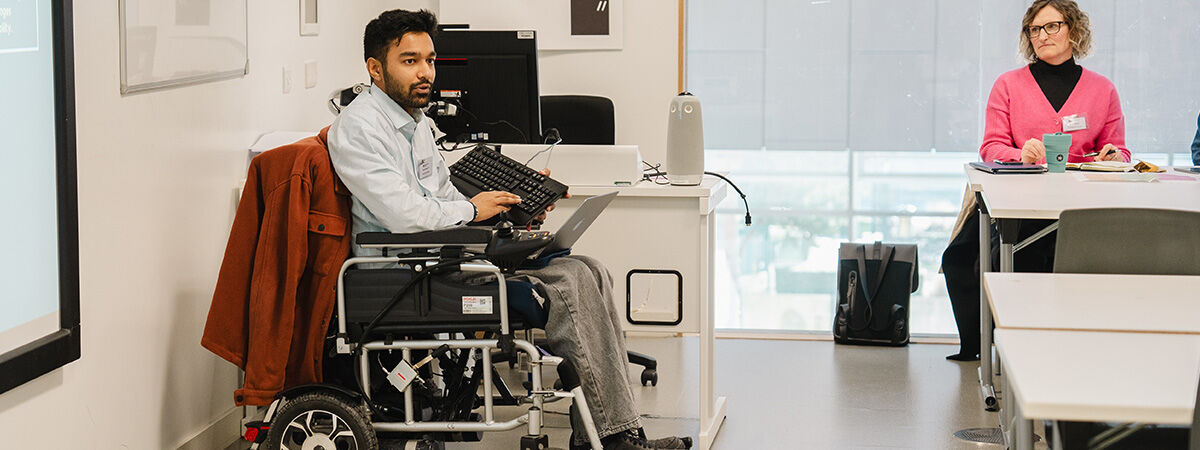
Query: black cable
x=654, y=174
x=739, y=191
x=524, y=137
x=457, y=144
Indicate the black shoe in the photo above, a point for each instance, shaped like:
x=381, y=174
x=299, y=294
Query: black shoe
x=963, y=357
x=636, y=440
x=669, y=442
x=625, y=440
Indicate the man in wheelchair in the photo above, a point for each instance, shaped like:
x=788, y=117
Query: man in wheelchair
x=382, y=148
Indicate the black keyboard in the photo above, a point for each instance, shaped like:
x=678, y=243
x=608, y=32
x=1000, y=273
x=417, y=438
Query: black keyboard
x=485, y=169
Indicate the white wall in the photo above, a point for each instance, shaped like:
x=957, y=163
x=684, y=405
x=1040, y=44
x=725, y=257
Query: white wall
x=157, y=173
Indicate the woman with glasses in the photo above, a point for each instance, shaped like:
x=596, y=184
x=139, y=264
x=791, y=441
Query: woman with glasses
x=1051, y=94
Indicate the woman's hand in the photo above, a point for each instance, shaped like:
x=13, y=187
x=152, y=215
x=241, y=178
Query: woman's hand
x=1110, y=153
x=1033, y=152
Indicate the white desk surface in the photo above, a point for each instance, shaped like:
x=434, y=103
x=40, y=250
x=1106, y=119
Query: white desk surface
x=1067, y=301
x=709, y=187
x=1099, y=376
x=1044, y=196
x=710, y=192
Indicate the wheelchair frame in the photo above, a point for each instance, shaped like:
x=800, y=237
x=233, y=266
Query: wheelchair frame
x=538, y=395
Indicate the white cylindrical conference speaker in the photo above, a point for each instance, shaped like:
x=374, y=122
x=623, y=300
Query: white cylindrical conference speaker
x=685, y=141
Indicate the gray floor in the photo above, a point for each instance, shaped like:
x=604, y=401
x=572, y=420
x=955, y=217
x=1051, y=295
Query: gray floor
x=802, y=394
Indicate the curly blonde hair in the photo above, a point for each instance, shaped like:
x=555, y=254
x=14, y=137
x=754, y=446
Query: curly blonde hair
x=1077, y=22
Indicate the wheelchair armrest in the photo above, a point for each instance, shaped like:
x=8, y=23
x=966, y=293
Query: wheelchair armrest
x=449, y=236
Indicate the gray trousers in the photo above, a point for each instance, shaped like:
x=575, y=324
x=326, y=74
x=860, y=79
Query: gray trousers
x=584, y=327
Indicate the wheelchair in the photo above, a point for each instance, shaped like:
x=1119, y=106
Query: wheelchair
x=410, y=348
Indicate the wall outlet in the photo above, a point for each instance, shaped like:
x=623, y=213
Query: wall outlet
x=287, y=80
x=310, y=74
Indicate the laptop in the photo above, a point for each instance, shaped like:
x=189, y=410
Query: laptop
x=573, y=228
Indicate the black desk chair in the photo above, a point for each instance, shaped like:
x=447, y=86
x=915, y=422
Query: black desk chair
x=1103, y=241
x=590, y=120
x=580, y=119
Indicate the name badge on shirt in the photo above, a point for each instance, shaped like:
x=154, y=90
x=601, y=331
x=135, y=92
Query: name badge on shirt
x=425, y=168
x=1074, y=122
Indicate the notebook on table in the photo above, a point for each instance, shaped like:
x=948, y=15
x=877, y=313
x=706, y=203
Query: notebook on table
x=998, y=168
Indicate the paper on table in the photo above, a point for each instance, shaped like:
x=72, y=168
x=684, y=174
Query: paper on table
x=1129, y=177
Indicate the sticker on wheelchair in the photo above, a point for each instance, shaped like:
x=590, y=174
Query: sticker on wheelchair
x=477, y=305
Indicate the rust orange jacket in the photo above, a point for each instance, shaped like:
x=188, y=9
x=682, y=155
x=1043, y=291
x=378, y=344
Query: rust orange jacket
x=278, y=279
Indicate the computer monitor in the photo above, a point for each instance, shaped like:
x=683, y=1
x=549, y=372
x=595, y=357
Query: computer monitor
x=491, y=76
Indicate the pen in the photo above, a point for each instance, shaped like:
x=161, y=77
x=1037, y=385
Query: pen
x=1109, y=152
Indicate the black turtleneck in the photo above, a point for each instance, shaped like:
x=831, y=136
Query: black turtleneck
x=1056, y=82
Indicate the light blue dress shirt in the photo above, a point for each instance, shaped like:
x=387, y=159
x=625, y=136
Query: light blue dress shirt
x=389, y=161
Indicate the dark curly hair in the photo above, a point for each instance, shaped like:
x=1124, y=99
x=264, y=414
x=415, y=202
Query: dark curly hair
x=390, y=26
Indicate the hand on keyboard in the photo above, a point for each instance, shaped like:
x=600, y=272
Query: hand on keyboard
x=488, y=204
x=541, y=218
x=485, y=169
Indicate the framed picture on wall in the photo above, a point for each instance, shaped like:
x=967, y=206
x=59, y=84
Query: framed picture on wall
x=180, y=42
x=560, y=25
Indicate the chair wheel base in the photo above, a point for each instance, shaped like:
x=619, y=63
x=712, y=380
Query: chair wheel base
x=649, y=377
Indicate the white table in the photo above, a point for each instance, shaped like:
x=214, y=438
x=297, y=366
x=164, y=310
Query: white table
x=1099, y=377
x=1010, y=198
x=1094, y=302
x=650, y=226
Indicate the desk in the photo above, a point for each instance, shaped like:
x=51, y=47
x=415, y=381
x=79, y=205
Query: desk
x=1099, y=377
x=1093, y=302
x=648, y=226
x=1010, y=198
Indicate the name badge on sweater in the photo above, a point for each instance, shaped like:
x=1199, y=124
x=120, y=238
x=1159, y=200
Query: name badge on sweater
x=425, y=168
x=1074, y=122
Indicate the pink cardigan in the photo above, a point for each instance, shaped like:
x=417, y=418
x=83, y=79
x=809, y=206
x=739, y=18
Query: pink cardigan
x=1017, y=111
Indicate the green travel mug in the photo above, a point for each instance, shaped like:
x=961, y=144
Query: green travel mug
x=1057, y=146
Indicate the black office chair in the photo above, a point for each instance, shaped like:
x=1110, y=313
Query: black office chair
x=580, y=119
x=590, y=120
x=1128, y=241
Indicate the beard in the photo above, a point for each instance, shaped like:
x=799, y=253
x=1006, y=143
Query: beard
x=405, y=96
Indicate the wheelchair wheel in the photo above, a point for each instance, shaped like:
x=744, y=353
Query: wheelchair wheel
x=649, y=377
x=321, y=420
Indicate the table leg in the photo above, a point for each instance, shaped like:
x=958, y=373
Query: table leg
x=1024, y=427
x=712, y=408
x=985, y=314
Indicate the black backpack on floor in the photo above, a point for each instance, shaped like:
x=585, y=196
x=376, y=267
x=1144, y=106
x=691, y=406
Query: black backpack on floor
x=874, y=285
